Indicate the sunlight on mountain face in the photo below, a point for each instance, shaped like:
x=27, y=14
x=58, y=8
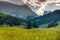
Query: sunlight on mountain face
x=37, y=6
x=39, y=11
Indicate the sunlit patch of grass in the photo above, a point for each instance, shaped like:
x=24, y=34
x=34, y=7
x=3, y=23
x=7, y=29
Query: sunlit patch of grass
x=14, y=33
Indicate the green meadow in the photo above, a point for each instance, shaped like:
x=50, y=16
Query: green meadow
x=14, y=33
x=20, y=32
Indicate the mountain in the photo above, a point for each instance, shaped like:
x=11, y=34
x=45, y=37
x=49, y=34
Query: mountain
x=9, y=20
x=20, y=11
x=48, y=18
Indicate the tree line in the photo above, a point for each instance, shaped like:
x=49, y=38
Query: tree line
x=29, y=22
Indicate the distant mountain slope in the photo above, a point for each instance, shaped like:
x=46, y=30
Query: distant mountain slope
x=9, y=20
x=50, y=17
x=16, y=10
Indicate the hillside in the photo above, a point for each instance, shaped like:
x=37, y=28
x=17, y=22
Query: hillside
x=48, y=18
x=9, y=20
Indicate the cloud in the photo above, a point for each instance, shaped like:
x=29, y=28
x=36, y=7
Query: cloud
x=36, y=5
x=33, y=3
x=58, y=4
x=40, y=4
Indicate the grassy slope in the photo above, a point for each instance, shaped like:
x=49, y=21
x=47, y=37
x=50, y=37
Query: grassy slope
x=13, y=33
x=46, y=25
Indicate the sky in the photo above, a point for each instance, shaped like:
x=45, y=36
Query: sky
x=38, y=6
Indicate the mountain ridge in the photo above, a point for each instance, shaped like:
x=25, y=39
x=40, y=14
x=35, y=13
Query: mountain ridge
x=6, y=7
x=48, y=18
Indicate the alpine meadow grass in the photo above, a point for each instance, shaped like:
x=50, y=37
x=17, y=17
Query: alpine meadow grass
x=14, y=33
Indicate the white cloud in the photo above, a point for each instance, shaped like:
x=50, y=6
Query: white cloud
x=35, y=3
x=38, y=5
x=58, y=5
